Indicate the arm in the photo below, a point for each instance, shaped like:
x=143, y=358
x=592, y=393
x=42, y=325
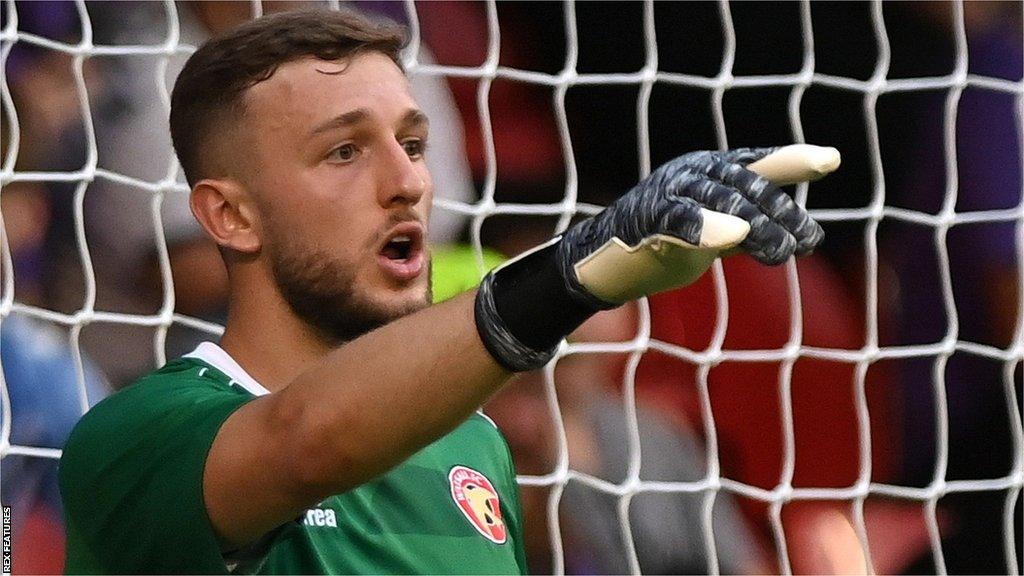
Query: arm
x=368, y=406
x=377, y=400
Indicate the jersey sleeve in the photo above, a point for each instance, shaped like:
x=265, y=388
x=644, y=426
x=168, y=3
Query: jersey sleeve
x=131, y=478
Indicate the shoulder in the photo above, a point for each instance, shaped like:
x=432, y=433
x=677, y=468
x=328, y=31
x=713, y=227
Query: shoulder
x=482, y=438
x=143, y=450
x=158, y=406
x=178, y=384
x=480, y=429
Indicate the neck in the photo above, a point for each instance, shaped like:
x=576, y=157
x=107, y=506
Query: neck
x=264, y=336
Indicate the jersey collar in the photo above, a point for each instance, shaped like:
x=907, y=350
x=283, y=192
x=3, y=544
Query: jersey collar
x=215, y=356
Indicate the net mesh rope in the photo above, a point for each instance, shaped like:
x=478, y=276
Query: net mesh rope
x=709, y=487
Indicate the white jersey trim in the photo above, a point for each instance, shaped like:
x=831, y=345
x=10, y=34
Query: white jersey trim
x=488, y=418
x=215, y=356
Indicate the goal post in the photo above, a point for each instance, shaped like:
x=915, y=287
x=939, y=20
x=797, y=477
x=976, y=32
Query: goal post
x=808, y=94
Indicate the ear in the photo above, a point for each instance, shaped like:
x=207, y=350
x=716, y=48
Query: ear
x=228, y=214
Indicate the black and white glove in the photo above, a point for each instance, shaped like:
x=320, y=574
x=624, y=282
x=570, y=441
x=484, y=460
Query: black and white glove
x=663, y=234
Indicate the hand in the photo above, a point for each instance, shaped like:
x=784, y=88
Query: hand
x=667, y=230
x=662, y=234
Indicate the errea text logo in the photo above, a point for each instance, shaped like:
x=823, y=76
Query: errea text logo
x=320, y=517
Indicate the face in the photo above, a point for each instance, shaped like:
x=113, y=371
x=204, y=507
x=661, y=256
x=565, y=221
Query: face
x=343, y=194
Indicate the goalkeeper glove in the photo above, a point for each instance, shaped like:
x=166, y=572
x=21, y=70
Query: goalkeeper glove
x=662, y=234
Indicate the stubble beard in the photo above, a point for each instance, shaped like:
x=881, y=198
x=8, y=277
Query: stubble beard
x=320, y=290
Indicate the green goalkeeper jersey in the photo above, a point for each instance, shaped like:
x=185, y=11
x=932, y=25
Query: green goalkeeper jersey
x=131, y=481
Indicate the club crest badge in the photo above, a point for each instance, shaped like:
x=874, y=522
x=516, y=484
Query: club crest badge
x=476, y=497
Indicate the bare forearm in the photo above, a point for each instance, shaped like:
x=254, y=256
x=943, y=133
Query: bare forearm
x=380, y=398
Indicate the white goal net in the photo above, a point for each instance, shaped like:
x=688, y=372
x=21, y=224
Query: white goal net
x=689, y=77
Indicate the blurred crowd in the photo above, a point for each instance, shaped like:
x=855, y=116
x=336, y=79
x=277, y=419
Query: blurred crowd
x=848, y=299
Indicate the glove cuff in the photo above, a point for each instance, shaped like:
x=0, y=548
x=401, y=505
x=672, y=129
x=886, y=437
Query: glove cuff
x=525, y=308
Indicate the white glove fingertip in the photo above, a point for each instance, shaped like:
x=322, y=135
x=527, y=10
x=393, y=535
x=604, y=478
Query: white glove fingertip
x=722, y=231
x=797, y=163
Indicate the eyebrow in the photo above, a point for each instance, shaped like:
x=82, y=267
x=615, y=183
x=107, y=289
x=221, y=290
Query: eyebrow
x=342, y=120
x=414, y=118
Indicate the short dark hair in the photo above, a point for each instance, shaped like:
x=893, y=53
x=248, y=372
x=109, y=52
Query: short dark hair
x=209, y=90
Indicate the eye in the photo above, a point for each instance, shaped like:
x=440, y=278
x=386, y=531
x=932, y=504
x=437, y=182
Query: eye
x=415, y=147
x=344, y=153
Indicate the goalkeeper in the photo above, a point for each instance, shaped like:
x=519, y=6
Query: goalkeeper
x=335, y=428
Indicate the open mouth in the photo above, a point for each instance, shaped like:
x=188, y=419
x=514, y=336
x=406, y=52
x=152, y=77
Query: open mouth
x=402, y=254
x=398, y=248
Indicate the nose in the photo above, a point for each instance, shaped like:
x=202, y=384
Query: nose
x=404, y=180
